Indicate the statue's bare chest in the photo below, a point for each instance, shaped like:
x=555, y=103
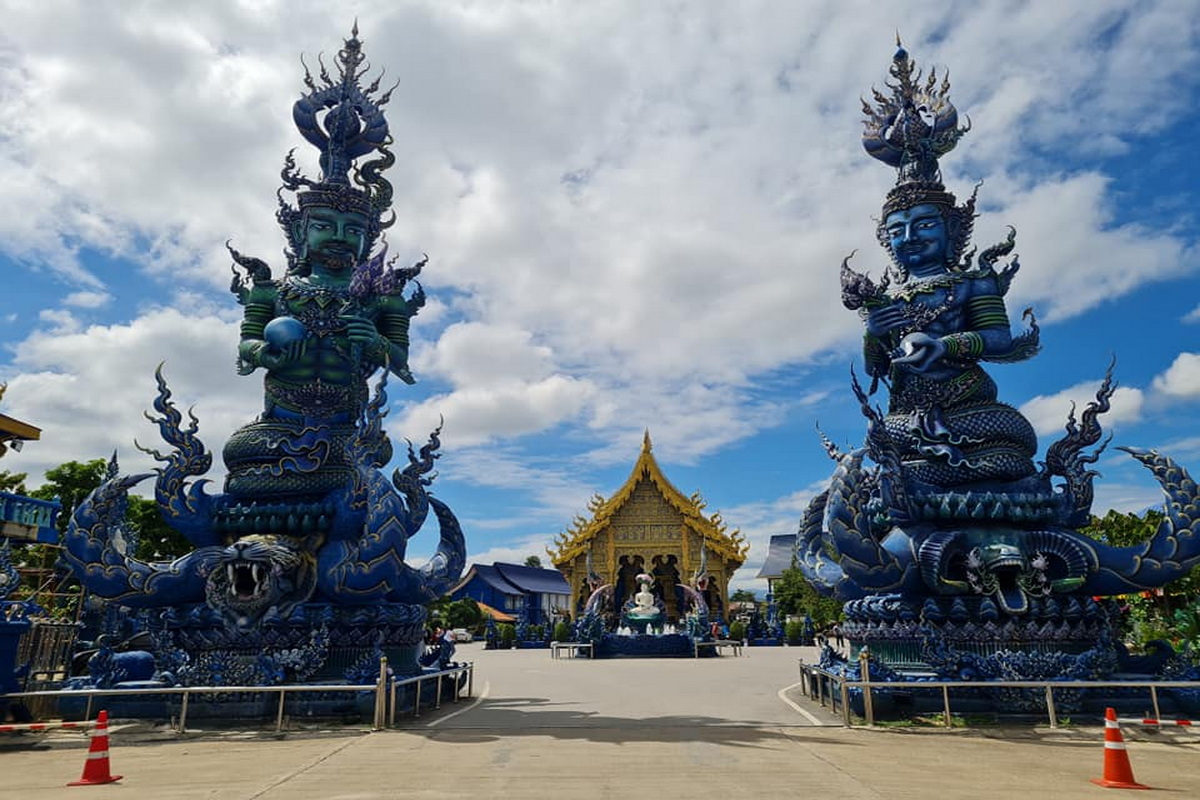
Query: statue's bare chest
x=936, y=309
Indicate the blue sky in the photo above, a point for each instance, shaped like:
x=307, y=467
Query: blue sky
x=634, y=213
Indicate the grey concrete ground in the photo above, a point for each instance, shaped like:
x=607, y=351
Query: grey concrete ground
x=714, y=728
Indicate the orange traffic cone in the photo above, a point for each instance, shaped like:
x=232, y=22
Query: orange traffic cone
x=1118, y=774
x=95, y=769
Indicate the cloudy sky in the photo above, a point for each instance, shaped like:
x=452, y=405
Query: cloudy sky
x=634, y=212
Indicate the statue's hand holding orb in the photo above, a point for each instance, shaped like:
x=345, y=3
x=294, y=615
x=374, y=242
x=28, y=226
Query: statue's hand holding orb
x=286, y=339
x=918, y=351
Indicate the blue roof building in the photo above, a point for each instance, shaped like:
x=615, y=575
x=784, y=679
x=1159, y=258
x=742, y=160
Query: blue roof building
x=531, y=593
x=780, y=555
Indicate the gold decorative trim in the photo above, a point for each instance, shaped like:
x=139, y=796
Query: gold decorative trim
x=728, y=547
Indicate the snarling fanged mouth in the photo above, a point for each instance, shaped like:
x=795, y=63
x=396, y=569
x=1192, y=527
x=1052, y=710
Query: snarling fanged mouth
x=246, y=580
x=257, y=573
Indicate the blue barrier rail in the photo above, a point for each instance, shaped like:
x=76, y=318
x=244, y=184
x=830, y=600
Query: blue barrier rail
x=28, y=512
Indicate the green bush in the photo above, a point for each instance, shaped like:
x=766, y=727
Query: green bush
x=562, y=632
x=508, y=634
x=536, y=633
x=737, y=631
x=794, y=632
x=1185, y=624
x=463, y=613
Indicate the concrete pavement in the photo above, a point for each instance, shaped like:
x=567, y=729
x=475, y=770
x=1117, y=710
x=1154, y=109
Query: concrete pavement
x=658, y=728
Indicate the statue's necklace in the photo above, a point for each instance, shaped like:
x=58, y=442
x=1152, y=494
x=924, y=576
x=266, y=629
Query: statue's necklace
x=908, y=291
x=919, y=315
x=319, y=307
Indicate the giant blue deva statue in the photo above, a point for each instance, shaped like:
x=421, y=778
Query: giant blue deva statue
x=955, y=551
x=299, y=566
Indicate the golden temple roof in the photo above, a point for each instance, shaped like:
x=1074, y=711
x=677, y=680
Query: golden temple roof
x=730, y=546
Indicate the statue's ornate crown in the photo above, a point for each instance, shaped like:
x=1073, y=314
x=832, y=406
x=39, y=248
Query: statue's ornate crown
x=910, y=130
x=344, y=122
x=914, y=127
x=911, y=193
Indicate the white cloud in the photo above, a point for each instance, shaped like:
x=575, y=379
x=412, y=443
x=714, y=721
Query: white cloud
x=1048, y=413
x=758, y=522
x=504, y=409
x=60, y=320
x=69, y=386
x=476, y=354
x=1182, y=378
x=1187, y=447
x=87, y=299
x=1126, y=498
x=514, y=552
x=1113, y=258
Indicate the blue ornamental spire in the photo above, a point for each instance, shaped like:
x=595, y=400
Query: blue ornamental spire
x=916, y=125
x=345, y=122
x=353, y=124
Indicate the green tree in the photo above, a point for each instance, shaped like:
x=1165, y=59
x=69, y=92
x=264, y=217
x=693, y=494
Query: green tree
x=157, y=541
x=463, y=613
x=70, y=483
x=742, y=596
x=1126, y=530
x=794, y=595
x=13, y=482
x=533, y=561
x=1151, y=615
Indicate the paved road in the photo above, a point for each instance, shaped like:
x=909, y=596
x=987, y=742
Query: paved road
x=527, y=689
x=714, y=728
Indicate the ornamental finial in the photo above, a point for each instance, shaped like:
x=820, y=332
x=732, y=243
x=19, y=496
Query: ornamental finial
x=916, y=125
x=345, y=122
x=910, y=130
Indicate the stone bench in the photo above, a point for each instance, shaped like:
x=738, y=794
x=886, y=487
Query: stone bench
x=557, y=648
x=720, y=644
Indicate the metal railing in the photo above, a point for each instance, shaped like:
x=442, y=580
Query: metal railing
x=818, y=683
x=28, y=511
x=385, y=690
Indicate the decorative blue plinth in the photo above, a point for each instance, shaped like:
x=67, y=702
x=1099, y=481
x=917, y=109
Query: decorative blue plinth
x=668, y=645
x=10, y=637
x=13, y=625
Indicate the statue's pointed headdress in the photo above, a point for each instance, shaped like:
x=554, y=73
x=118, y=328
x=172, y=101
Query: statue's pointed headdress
x=910, y=130
x=345, y=122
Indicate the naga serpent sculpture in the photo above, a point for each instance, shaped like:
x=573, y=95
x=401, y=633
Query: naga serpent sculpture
x=250, y=557
x=305, y=549
x=955, y=533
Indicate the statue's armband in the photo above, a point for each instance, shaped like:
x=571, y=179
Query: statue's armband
x=967, y=345
x=986, y=311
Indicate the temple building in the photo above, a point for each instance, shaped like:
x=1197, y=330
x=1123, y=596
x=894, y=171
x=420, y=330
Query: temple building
x=516, y=591
x=650, y=526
